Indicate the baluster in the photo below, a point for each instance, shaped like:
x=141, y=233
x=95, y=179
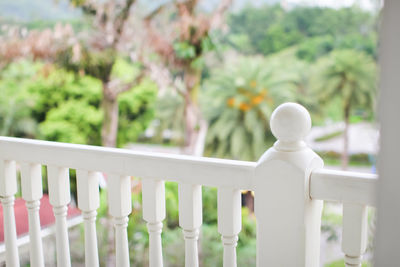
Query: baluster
x=153, y=195
x=31, y=184
x=88, y=202
x=354, y=240
x=120, y=206
x=229, y=222
x=190, y=220
x=8, y=188
x=59, y=194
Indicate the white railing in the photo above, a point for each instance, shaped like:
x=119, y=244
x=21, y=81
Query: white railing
x=289, y=184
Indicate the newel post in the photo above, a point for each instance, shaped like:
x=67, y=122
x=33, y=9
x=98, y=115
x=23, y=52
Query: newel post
x=288, y=220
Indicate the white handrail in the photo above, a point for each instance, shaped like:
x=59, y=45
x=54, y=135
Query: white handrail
x=178, y=168
x=344, y=186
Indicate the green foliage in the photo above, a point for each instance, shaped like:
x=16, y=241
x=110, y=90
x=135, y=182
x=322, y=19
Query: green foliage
x=331, y=218
x=169, y=110
x=269, y=29
x=333, y=158
x=67, y=106
x=15, y=101
x=73, y=121
x=328, y=136
x=136, y=109
x=238, y=101
x=340, y=263
x=184, y=50
x=53, y=86
x=193, y=53
x=124, y=70
x=292, y=78
x=278, y=38
x=98, y=64
x=315, y=47
x=349, y=75
x=136, y=106
x=254, y=22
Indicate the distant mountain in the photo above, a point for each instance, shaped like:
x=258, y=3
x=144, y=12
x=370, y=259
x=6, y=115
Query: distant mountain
x=51, y=10
x=33, y=10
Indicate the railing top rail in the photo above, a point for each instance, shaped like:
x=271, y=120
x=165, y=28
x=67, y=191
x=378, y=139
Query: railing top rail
x=341, y=186
x=344, y=186
x=179, y=168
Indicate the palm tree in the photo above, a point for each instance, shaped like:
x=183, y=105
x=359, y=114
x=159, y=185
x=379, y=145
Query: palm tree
x=238, y=101
x=351, y=76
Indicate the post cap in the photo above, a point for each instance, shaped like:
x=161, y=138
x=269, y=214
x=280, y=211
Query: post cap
x=290, y=123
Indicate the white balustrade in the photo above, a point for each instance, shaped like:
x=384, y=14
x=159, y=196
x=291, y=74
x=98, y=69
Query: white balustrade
x=88, y=202
x=31, y=185
x=120, y=206
x=355, y=228
x=59, y=194
x=190, y=220
x=288, y=180
x=229, y=222
x=8, y=188
x=153, y=197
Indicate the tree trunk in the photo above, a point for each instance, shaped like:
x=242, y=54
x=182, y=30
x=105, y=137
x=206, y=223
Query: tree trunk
x=345, y=153
x=195, y=126
x=249, y=201
x=190, y=118
x=110, y=122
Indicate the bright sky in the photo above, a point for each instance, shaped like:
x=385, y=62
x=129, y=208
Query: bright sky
x=364, y=4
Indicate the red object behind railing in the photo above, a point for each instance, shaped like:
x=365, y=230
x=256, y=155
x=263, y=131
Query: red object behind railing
x=21, y=215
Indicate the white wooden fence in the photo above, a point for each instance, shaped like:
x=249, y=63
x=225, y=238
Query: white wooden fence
x=289, y=182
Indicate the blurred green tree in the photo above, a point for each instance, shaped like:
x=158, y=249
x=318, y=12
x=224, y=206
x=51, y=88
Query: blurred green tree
x=68, y=107
x=96, y=55
x=253, y=23
x=182, y=51
x=238, y=101
x=15, y=102
x=350, y=76
x=270, y=29
x=43, y=101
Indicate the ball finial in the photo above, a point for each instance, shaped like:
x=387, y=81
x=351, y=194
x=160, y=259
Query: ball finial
x=290, y=123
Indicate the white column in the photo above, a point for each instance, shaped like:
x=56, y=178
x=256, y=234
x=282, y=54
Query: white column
x=355, y=233
x=120, y=206
x=31, y=184
x=229, y=222
x=88, y=202
x=190, y=220
x=288, y=220
x=153, y=197
x=59, y=194
x=388, y=213
x=8, y=188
